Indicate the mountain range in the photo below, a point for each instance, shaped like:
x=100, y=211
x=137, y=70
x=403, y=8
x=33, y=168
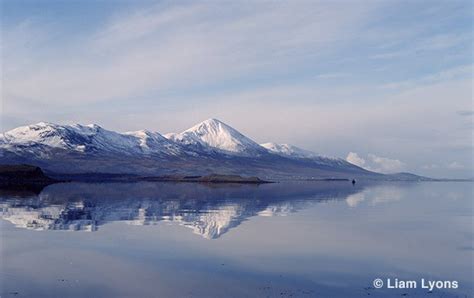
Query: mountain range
x=208, y=147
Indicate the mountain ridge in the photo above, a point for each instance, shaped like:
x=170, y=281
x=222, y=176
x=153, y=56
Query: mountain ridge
x=208, y=147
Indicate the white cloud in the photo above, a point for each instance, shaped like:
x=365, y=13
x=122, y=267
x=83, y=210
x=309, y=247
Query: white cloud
x=431, y=43
x=385, y=164
x=455, y=165
x=354, y=158
x=335, y=75
x=463, y=71
x=430, y=166
x=174, y=46
x=452, y=165
x=466, y=113
x=376, y=163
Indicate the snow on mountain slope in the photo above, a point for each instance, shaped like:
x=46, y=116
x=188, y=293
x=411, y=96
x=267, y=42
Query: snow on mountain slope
x=44, y=133
x=217, y=135
x=151, y=142
x=83, y=138
x=289, y=150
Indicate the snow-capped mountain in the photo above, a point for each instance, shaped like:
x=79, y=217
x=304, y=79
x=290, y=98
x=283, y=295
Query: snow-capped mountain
x=87, y=138
x=216, y=135
x=208, y=147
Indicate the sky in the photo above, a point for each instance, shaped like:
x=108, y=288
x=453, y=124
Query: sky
x=385, y=84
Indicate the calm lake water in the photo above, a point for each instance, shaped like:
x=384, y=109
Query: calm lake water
x=320, y=239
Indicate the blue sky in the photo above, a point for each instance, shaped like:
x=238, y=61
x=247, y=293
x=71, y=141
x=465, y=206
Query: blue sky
x=387, y=84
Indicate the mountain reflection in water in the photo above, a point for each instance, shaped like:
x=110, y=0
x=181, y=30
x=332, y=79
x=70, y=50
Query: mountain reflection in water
x=209, y=210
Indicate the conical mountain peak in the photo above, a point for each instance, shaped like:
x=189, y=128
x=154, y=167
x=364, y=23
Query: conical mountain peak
x=217, y=135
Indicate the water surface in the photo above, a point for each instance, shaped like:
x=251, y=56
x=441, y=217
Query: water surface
x=319, y=239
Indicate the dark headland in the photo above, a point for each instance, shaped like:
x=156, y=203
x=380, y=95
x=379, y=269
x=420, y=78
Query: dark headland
x=24, y=177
